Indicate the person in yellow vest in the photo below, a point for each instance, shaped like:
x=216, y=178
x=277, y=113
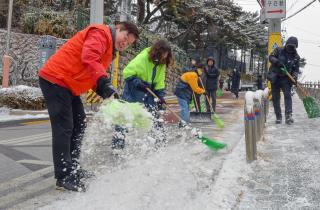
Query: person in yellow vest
x=187, y=84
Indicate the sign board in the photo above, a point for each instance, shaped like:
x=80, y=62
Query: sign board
x=275, y=9
x=275, y=40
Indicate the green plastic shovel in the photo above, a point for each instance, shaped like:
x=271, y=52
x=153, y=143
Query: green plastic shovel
x=310, y=104
x=211, y=143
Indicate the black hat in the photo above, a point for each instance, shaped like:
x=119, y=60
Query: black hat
x=292, y=41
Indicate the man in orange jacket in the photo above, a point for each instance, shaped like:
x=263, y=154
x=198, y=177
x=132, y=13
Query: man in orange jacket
x=79, y=65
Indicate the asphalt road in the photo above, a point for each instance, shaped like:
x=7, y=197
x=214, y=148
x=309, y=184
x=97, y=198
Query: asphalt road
x=25, y=159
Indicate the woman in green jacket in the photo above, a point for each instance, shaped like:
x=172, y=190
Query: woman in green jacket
x=146, y=70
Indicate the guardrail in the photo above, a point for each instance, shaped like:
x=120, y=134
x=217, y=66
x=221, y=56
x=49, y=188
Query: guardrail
x=313, y=89
x=256, y=110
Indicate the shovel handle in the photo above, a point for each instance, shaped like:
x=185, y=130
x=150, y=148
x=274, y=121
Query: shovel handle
x=304, y=92
x=155, y=96
x=195, y=101
x=208, y=100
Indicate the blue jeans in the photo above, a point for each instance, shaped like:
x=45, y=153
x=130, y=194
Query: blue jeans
x=184, y=109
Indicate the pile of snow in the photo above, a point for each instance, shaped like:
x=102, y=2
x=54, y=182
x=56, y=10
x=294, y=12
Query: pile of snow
x=249, y=101
x=22, y=97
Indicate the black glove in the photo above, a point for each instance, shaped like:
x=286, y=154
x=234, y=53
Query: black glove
x=143, y=85
x=105, y=89
x=279, y=63
x=161, y=103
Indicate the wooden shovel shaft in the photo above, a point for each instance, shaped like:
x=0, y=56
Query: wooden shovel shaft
x=155, y=96
x=195, y=101
x=304, y=92
x=208, y=100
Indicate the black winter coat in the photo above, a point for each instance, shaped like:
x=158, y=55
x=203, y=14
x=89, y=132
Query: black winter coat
x=235, y=81
x=210, y=78
x=291, y=60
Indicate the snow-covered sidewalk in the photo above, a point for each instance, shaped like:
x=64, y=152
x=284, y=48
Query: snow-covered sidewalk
x=183, y=175
x=287, y=173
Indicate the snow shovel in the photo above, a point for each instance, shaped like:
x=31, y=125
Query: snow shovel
x=211, y=143
x=310, y=104
x=218, y=121
x=198, y=116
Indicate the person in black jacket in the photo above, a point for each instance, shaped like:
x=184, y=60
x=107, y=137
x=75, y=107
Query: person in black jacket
x=210, y=80
x=280, y=57
x=259, y=82
x=236, y=77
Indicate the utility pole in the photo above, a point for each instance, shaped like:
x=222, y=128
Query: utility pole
x=125, y=10
x=273, y=11
x=96, y=11
x=125, y=14
x=6, y=57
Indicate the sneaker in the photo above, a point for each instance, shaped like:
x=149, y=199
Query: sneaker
x=70, y=183
x=289, y=119
x=84, y=174
x=278, y=121
x=117, y=144
x=182, y=124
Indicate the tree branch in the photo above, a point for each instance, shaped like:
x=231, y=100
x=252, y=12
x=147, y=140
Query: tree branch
x=147, y=18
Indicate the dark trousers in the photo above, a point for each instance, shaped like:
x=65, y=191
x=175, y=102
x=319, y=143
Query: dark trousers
x=284, y=85
x=67, y=119
x=212, y=95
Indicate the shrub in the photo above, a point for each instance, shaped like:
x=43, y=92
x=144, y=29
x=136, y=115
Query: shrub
x=47, y=23
x=22, y=97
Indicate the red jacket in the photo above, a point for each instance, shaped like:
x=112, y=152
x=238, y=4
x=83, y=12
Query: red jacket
x=81, y=61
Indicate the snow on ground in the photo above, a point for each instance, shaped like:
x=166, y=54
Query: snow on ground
x=24, y=91
x=185, y=174
x=6, y=116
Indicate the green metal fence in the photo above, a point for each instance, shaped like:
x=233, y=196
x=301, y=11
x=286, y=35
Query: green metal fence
x=83, y=18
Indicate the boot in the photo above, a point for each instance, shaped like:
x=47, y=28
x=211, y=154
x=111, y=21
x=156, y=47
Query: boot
x=71, y=183
x=279, y=119
x=289, y=119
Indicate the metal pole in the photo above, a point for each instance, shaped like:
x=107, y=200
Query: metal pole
x=250, y=136
x=125, y=10
x=9, y=26
x=6, y=57
x=96, y=12
x=257, y=128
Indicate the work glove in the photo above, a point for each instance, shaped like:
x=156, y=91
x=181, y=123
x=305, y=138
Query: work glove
x=105, y=88
x=161, y=103
x=143, y=85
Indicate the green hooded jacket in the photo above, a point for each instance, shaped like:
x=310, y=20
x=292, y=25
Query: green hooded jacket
x=142, y=67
